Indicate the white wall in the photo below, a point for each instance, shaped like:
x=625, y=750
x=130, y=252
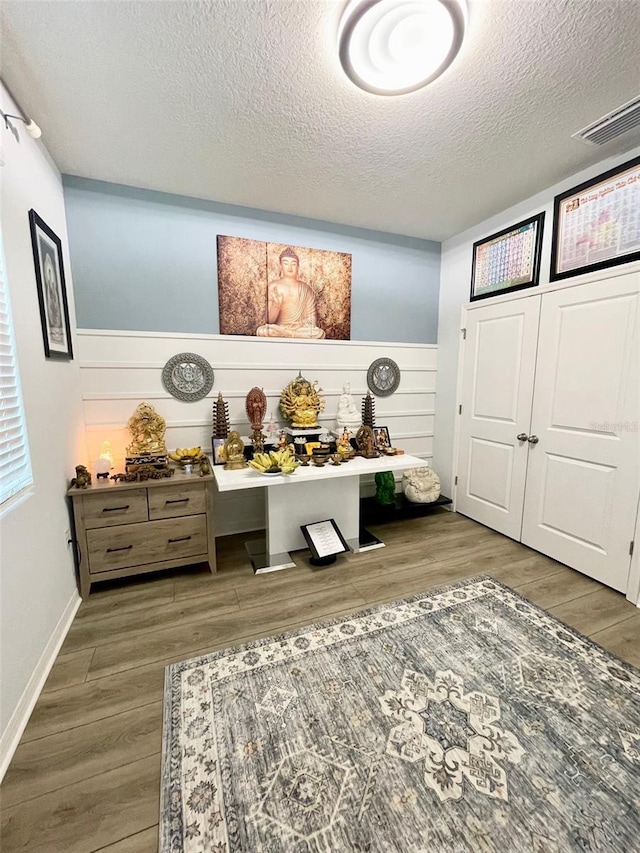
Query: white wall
x=119, y=369
x=455, y=283
x=37, y=581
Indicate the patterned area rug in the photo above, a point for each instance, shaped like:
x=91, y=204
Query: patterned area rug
x=465, y=719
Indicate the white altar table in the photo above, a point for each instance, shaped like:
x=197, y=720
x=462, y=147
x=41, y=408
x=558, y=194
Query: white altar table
x=308, y=495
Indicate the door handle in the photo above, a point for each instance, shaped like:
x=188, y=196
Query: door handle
x=533, y=439
x=522, y=436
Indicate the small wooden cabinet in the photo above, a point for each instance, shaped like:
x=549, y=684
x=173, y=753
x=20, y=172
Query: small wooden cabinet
x=131, y=528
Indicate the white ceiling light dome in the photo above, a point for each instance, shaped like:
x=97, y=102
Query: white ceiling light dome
x=391, y=47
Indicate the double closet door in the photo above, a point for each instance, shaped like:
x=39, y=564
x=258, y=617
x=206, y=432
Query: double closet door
x=549, y=444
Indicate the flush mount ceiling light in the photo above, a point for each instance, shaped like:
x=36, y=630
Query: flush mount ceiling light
x=391, y=47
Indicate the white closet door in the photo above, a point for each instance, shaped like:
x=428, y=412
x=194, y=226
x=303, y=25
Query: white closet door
x=497, y=387
x=583, y=476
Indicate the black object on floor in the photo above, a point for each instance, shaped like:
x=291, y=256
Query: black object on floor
x=368, y=541
x=372, y=512
x=323, y=561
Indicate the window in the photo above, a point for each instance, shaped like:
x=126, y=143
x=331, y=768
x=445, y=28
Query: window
x=15, y=463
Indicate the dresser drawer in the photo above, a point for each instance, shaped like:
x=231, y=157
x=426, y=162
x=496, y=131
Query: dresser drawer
x=177, y=500
x=105, y=509
x=136, y=544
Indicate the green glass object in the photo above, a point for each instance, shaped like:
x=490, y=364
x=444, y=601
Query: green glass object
x=385, y=488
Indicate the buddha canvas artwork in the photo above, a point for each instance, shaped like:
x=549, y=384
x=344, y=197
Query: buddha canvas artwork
x=281, y=291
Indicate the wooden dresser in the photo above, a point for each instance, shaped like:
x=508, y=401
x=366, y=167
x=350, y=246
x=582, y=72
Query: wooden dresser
x=131, y=528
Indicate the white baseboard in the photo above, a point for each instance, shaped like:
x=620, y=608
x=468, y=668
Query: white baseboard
x=11, y=735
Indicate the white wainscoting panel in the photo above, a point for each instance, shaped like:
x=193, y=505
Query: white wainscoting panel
x=120, y=369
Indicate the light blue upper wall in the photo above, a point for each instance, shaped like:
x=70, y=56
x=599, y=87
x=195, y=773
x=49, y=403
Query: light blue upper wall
x=146, y=261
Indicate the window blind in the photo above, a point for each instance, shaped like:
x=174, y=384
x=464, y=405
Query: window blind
x=15, y=462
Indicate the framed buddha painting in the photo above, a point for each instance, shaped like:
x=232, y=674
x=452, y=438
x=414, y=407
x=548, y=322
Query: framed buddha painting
x=275, y=290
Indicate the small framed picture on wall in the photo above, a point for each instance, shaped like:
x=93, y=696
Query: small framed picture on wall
x=52, y=289
x=508, y=260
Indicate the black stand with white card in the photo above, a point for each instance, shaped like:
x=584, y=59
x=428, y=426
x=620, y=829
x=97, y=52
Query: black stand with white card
x=325, y=541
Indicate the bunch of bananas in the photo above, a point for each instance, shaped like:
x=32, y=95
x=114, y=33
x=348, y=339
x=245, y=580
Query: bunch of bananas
x=274, y=462
x=185, y=454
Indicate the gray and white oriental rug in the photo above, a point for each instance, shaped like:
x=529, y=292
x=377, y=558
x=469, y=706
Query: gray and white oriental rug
x=465, y=719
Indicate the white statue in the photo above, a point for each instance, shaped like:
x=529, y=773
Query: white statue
x=348, y=415
x=421, y=485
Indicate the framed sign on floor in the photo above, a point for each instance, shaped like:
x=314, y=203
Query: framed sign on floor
x=325, y=541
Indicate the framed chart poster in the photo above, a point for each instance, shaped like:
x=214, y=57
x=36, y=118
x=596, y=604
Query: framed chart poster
x=508, y=260
x=597, y=224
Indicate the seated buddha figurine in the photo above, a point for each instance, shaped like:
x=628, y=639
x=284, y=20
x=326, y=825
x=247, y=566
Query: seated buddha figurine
x=348, y=415
x=306, y=414
x=233, y=452
x=301, y=402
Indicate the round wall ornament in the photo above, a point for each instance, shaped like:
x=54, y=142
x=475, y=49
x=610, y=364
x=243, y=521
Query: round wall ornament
x=187, y=376
x=383, y=377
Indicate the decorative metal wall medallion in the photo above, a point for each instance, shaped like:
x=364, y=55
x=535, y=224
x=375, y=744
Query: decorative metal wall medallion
x=187, y=376
x=383, y=377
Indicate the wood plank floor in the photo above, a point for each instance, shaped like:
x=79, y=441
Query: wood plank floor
x=86, y=775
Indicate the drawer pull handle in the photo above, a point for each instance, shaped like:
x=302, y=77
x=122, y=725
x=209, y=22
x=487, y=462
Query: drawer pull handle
x=178, y=501
x=180, y=539
x=114, y=508
x=124, y=548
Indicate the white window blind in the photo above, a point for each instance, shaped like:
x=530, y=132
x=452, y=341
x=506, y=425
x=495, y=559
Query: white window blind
x=15, y=463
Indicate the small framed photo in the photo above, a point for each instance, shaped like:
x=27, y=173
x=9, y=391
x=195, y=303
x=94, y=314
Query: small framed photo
x=324, y=539
x=52, y=289
x=508, y=260
x=597, y=224
x=381, y=437
x=216, y=445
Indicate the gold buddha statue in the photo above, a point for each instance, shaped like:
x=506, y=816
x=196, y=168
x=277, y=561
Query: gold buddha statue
x=301, y=402
x=233, y=452
x=147, y=430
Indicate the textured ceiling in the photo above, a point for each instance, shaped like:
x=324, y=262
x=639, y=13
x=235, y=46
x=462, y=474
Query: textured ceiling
x=244, y=101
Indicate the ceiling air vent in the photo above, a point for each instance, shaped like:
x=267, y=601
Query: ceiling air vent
x=612, y=125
